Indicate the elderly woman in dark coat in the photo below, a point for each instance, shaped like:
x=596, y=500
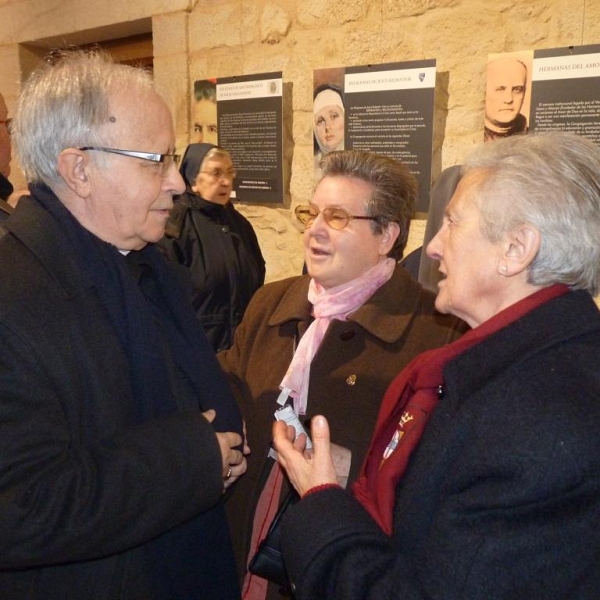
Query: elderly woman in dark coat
x=206, y=234
x=497, y=496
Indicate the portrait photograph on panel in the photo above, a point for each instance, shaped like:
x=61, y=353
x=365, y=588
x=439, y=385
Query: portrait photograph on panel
x=328, y=113
x=508, y=94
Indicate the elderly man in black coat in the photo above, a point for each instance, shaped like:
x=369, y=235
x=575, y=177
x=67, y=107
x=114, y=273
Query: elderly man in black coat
x=117, y=433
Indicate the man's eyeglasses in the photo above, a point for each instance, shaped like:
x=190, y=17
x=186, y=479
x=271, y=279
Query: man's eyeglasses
x=218, y=174
x=336, y=218
x=165, y=160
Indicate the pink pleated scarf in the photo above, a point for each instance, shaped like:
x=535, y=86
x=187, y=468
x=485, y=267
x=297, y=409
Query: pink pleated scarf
x=335, y=303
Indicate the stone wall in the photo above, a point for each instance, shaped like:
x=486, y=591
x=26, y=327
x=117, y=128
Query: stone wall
x=219, y=38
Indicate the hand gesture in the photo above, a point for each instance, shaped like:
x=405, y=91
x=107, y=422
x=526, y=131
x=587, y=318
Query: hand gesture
x=305, y=470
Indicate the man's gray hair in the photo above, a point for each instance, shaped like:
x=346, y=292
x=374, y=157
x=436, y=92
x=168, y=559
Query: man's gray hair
x=395, y=189
x=552, y=182
x=64, y=105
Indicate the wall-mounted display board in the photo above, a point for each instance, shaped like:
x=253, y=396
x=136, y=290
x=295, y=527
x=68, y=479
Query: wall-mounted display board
x=249, y=126
x=566, y=90
x=387, y=109
x=541, y=90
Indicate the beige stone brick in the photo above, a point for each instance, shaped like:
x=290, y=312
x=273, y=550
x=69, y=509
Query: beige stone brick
x=324, y=13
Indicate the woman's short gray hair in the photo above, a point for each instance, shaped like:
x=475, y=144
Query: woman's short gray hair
x=395, y=189
x=552, y=182
x=64, y=105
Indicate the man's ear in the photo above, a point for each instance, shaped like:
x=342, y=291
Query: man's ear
x=72, y=166
x=522, y=245
x=388, y=238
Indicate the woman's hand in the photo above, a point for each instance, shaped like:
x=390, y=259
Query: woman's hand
x=305, y=470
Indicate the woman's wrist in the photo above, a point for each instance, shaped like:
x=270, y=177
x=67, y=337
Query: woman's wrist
x=320, y=487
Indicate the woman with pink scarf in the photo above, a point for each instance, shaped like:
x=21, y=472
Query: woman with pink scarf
x=331, y=341
x=482, y=481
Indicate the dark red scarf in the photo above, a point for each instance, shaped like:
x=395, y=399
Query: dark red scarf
x=409, y=401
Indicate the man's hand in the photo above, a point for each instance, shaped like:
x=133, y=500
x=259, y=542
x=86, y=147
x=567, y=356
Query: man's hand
x=234, y=463
x=305, y=470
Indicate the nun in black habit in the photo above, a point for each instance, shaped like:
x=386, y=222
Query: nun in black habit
x=206, y=234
